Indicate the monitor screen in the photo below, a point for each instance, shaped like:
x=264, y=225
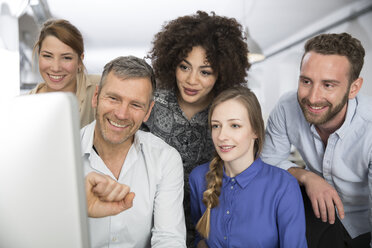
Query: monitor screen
x=42, y=197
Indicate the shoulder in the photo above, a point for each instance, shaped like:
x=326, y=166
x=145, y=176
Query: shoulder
x=93, y=79
x=37, y=88
x=288, y=99
x=278, y=176
x=161, y=94
x=153, y=144
x=364, y=107
x=86, y=137
x=286, y=103
x=198, y=173
x=200, y=170
x=87, y=84
x=164, y=97
x=287, y=110
x=87, y=130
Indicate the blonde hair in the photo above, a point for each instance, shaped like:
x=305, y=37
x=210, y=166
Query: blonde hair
x=215, y=173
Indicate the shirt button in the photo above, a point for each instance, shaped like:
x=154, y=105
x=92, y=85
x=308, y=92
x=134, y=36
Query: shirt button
x=224, y=237
x=233, y=179
x=232, y=187
x=228, y=212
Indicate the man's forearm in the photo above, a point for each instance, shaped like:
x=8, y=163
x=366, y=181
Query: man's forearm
x=300, y=174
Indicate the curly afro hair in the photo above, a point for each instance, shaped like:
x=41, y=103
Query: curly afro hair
x=221, y=37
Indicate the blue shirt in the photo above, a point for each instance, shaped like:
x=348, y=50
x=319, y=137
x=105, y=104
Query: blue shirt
x=261, y=207
x=345, y=163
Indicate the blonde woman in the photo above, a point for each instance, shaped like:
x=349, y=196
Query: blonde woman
x=237, y=200
x=60, y=50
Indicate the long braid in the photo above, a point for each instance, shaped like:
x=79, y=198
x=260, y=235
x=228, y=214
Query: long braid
x=211, y=194
x=215, y=173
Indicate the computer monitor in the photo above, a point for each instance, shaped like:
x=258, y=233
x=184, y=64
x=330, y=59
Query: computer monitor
x=42, y=194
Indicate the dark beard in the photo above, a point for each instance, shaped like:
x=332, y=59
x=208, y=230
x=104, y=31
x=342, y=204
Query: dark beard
x=329, y=115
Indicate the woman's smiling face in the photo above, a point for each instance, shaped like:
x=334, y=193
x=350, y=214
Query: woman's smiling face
x=195, y=77
x=58, y=65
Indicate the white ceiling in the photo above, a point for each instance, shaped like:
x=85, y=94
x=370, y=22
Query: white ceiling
x=112, y=27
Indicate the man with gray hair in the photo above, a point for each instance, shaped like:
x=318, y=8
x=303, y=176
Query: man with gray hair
x=114, y=146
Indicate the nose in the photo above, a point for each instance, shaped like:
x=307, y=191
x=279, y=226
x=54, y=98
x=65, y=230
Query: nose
x=55, y=65
x=314, y=93
x=122, y=111
x=222, y=134
x=192, y=78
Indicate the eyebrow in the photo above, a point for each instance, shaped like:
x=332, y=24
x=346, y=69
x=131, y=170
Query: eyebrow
x=63, y=54
x=304, y=77
x=140, y=103
x=233, y=119
x=203, y=66
x=331, y=81
x=109, y=93
x=323, y=80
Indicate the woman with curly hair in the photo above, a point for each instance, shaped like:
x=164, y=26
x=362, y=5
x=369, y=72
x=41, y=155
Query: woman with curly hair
x=194, y=58
x=237, y=200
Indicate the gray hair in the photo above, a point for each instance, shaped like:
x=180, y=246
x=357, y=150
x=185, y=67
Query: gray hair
x=128, y=67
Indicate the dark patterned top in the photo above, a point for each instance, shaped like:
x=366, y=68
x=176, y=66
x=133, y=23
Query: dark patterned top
x=191, y=138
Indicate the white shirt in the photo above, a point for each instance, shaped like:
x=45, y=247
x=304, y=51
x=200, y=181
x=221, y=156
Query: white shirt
x=154, y=172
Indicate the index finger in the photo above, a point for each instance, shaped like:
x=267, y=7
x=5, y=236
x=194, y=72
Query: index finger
x=94, y=178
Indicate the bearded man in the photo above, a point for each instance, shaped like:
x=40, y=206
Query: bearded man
x=330, y=124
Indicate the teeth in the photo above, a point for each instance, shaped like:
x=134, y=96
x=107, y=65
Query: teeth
x=227, y=147
x=316, y=107
x=116, y=124
x=55, y=77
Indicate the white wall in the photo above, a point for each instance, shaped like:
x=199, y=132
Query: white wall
x=9, y=53
x=279, y=73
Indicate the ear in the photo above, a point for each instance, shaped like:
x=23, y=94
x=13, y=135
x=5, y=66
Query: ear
x=80, y=63
x=149, y=111
x=95, y=98
x=255, y=136
x=355, y=87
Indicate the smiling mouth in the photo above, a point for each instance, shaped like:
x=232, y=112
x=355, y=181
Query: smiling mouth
x=226, y=148
x=190, y=92
x=117, y=124
x=55, y=78
x=316, y=109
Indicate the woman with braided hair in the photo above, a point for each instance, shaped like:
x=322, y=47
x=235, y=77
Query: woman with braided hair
x=237, y=200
